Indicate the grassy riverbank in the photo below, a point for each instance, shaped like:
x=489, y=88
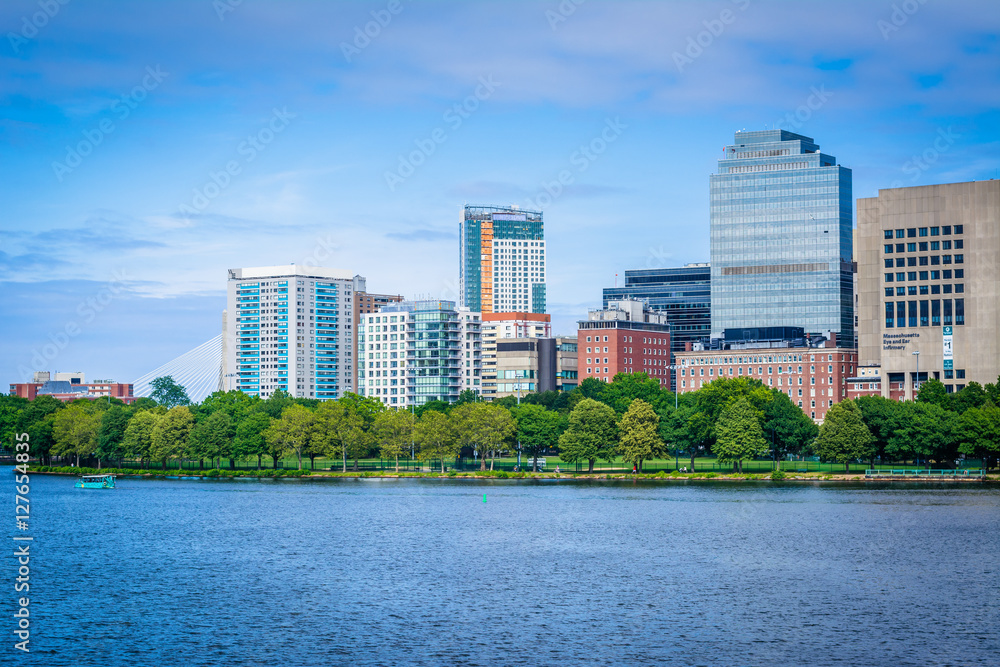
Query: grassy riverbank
x=487, y=474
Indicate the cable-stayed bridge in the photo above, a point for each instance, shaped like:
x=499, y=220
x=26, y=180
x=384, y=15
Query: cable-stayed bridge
x=199, y=371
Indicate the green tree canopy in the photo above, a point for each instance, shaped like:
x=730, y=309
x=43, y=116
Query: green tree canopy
x=249, y=439
x=592, y=434
x=639, y=433
x=293, y=432
x=212, y=437
x=538, y=429
x=738, y=435
x=74, y=430
x=843, y=437
x=168, y=393
x=393, y=432
x=138, y=441
x=435, y=435
x=170, y=435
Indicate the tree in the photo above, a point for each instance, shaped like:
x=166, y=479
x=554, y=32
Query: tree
x=276, y=403
x=538, y=429
x=978, y=433
x=168, y=393
x=212, y=438
x=343, y=430
x=933, y=391
x=171, y=433
x=626, y=387
x=972, y=396
x=639, y=434
x=495, y=429
x=249, y=440
x=843, y=437
x=293, y=432
x=111, y=433
x=882, y=416
x=138, y=441
x=435, y=435
x=75, y=431
x=394, y=433
x=924, y=432
x=10, y=414
x=738, y=434
x=592, y=434
x=37, y=419
x=790, y=429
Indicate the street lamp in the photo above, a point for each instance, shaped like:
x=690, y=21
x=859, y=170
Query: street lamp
x=916, y=383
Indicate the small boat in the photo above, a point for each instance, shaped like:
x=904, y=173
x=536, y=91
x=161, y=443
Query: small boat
x=96, y=482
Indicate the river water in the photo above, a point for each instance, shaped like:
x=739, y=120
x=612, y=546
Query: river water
x=455, y=572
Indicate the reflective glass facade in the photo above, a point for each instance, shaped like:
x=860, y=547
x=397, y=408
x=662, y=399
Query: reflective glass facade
x=781, y=245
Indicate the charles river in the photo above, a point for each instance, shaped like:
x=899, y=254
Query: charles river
x=457, y=572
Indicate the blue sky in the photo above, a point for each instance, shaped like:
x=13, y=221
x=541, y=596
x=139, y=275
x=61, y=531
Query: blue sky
x=120, y=121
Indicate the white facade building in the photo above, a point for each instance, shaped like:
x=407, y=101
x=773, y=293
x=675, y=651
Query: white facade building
x=414, y=352
x=290, y=328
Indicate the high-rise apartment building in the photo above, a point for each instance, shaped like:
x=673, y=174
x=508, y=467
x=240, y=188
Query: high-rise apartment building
x=781, y=236
x=929, y=285
x=625, y=337
x=497, y=326
x=502, y=260
x=682, y=293
x=291, y=328
x=364, y=303
x=419, y=351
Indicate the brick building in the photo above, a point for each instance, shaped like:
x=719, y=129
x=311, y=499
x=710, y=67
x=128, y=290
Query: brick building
x=625, y=337
x=813, y=377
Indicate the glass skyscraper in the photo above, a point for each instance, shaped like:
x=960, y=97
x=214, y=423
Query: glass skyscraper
x=502, y=260
x=781, y=242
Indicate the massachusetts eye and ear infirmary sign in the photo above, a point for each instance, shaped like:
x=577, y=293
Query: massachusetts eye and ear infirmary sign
x=898, y=341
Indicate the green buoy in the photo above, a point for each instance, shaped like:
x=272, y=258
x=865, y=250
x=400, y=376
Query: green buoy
x=484, y=497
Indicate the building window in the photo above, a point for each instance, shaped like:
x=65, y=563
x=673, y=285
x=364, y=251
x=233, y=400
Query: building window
x=887, y=234
x=900, y=233
x=960, y=374
x=959, y=311
x=912, y=318
x=947, y=312
x=888, y=248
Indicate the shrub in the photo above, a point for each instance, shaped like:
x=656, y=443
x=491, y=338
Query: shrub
x=778, y=475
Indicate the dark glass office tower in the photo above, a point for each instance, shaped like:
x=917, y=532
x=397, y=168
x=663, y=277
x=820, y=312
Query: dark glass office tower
x=781, y=237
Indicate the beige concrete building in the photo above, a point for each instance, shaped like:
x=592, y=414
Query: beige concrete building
x=525, y=365
x=498, y=326
x=929, y=284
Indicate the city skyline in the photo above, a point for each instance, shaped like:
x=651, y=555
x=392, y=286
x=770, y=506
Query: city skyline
x=605, y=120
